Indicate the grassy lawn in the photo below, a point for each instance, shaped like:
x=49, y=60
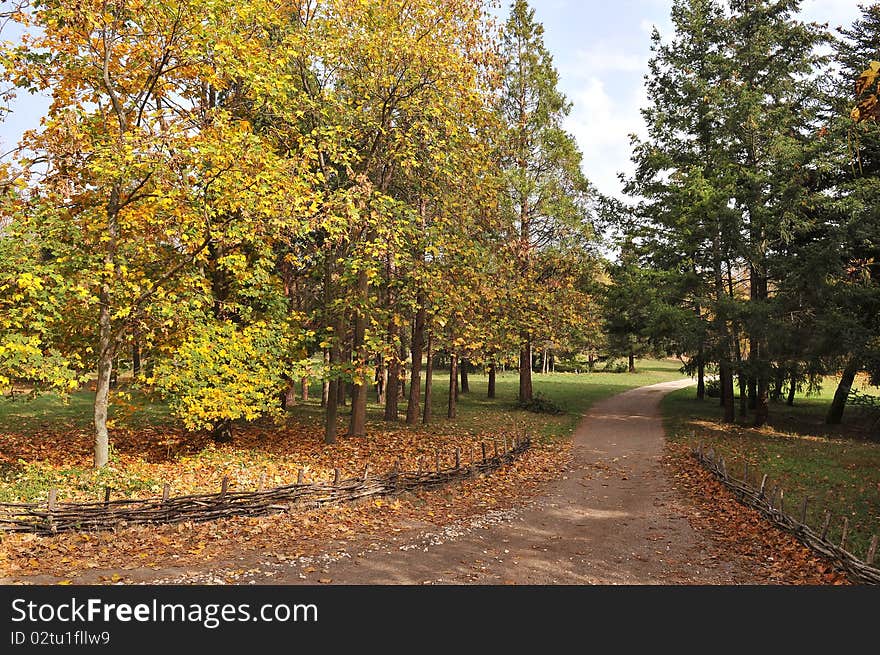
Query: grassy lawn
x=836, y=467
x=45, y=442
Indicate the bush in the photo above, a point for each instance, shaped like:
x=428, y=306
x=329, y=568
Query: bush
x=713, y=389
x=615, y=366
x=540, y=404
x=222, y=373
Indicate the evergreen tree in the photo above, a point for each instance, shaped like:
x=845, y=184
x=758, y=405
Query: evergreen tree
x=545, y=190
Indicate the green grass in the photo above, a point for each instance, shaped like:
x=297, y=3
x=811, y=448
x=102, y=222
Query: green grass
x=42, y=424
x=835, y=467
x=23, y=414
x=572, y=393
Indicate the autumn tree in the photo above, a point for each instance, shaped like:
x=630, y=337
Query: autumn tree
x=545, y=189
x=130, y=192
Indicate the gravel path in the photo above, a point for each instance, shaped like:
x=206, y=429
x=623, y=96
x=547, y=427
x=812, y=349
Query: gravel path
x=612, y=519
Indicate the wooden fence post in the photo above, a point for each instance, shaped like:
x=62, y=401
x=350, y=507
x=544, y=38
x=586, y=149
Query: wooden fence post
x=300, y=475
x=872, y=551
x=804, y=510
x=224, y=485
x=335, y=476
x=763, y=485
x=395, y=474
x=483, y=447
x=106, y=498
x=826, y=525
x=845, y=533
x=457, y=458
x=53, y=497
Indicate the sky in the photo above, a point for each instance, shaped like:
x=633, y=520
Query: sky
x=600, y=49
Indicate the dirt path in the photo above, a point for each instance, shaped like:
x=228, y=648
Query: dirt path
x=612, y=519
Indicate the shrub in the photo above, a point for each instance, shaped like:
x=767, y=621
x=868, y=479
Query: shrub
x=713, y=389
x=615, y=366
x=540, y=404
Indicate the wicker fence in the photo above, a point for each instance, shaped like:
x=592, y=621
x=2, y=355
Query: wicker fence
x=52, y=516
x=771, y=503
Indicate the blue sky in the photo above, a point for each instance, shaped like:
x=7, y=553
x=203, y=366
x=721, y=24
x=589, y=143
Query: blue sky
x=601, y=50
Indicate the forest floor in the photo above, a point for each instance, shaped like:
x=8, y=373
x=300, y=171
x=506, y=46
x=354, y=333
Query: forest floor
x=615, y=505
x=624, y=511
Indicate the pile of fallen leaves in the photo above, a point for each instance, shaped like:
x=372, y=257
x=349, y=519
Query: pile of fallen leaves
x=266, y=455
x=741, y=533
x=271, y=455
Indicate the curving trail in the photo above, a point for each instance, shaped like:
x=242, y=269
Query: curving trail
x=613, y=519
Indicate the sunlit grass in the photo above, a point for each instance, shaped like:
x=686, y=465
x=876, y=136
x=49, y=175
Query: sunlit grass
x=836, y=468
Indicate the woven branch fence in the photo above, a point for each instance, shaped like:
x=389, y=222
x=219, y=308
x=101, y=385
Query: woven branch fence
x=771, y=503
x=52, y=517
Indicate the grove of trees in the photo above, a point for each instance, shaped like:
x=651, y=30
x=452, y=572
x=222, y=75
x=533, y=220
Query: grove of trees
x=235, y=198
x=758, y=202
x=232, y=199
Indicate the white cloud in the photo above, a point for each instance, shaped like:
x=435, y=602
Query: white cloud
x=603, y=58
x=600, y=124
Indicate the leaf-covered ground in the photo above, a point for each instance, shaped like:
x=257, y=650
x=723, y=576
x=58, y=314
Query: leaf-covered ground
x=742, y=534
x=129, y=553
x=144, y=458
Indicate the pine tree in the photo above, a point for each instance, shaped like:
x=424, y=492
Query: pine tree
x=681, y=175
x=545, y=188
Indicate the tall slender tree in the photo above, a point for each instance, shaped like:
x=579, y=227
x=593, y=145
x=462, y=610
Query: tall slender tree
x=544, y=185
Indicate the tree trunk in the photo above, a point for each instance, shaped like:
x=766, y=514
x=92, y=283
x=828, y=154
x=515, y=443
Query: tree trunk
x=738, y=358
x=545, y=362
x=429, y=379
x=391, y=392
x=762, y=406
x=725, y=375
x=330, y=397
x=135, y=358
x=491, y=392
x=725, y=372
x=289, y=399
x=330, y=427
x=331, y=411
x=401, y=373
x=701, y=377
x=453, y=385
x=778, y=383
x=415, y=379
x=753, y=390
x=792, y=388
x=835, y=412
x=304, y=384
x=325, y=386
x=342, y=389
x=743, y=395
x=102, y=388
x=463, y=373
x=357, y=426
x=382, y=383
x=632, y=362
x=525, y=369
